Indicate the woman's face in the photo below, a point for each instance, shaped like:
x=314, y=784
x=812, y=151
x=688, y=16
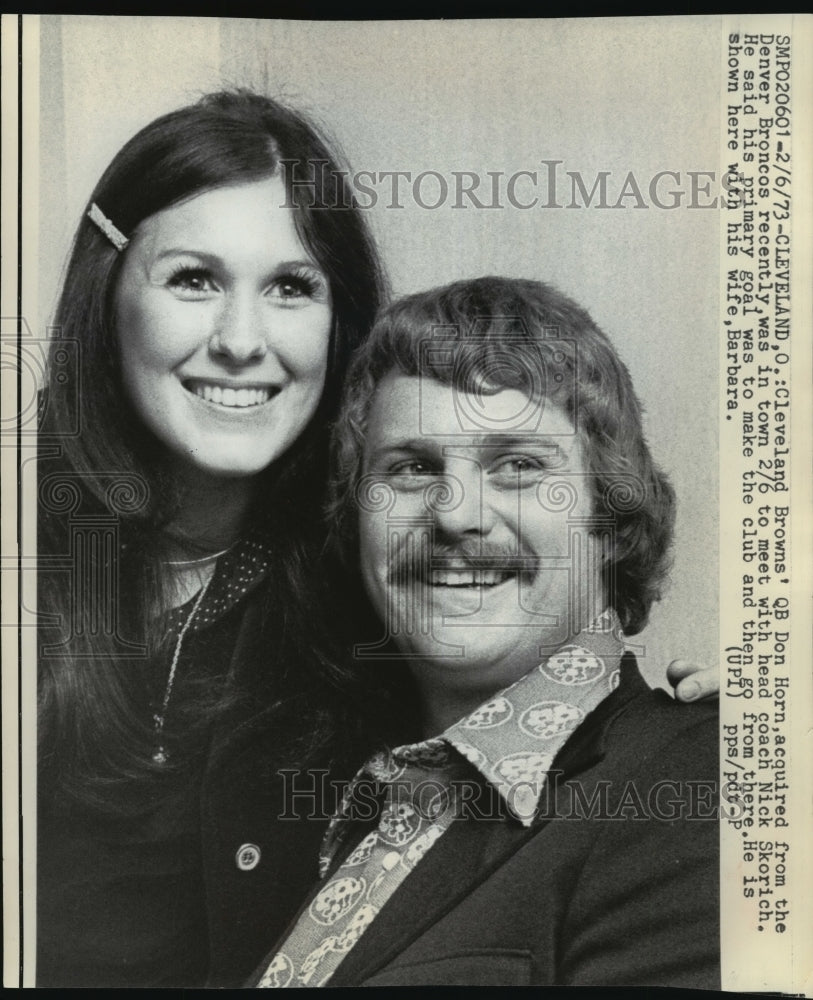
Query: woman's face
x=223, y=323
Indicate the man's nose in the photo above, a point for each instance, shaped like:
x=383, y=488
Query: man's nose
x=461, y=509
x=240, y=336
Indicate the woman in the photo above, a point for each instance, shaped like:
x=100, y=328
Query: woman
x=215, y=304
x=187, y=670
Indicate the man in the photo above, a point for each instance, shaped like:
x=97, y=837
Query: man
x=547, y=818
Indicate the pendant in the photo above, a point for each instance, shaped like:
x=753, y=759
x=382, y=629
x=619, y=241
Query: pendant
x=159, y=756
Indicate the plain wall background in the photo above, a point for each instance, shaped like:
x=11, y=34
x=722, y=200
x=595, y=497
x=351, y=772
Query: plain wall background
x=618, y=95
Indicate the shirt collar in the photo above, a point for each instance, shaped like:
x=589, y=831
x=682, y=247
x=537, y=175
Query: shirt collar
x=513, y=738
x=238, y=571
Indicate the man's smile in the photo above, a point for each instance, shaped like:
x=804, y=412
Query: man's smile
x=469, y=577
x=462, y=571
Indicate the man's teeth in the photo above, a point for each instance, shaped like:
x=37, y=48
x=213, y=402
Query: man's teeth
x=468, y=577
x=232, y=397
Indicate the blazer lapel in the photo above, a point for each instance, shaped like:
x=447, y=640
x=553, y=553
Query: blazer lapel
x=586, y=745
x=464, y=856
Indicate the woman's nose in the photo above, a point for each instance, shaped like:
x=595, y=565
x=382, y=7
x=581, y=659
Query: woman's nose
x=239, y=336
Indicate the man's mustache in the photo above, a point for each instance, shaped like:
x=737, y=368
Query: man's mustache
x=413, y=556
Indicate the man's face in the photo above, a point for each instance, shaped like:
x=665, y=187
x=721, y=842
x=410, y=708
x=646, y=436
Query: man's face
x=482, y=562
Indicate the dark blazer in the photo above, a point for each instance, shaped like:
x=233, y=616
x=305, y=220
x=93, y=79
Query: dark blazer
x=258, y=861
x=575, y=899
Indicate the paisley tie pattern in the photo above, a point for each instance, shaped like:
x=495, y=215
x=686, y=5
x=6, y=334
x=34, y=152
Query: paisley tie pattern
x=510, y=741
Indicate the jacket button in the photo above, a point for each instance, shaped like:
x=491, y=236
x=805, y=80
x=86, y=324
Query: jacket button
x=247, y=857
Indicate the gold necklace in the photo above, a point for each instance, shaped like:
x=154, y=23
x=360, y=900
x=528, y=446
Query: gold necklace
x=160, y=755
x=196, y=562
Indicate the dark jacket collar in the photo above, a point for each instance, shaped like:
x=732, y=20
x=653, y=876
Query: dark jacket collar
x=587, y=745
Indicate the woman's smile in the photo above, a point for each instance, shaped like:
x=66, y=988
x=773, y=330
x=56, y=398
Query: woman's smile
x=230, y=395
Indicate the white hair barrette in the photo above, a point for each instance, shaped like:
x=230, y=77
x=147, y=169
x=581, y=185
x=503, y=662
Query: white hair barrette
x=116, y=237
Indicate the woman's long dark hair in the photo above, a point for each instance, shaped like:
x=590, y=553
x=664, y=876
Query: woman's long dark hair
x=98, y=460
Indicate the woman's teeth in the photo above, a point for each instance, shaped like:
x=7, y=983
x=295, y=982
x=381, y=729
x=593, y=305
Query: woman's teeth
x=232, y=397
x=468, y=577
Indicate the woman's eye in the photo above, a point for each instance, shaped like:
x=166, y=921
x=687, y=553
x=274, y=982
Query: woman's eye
x=294, y=287
x=192, y=282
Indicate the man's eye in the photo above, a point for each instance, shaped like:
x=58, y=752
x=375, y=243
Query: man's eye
x=520, y=464
x=192, y=282
x=413, y=467
x=518, y=470
x=411, y=474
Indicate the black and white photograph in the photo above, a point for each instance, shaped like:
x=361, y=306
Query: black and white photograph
x=406, y=538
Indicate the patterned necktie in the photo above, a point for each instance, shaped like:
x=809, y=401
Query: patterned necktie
x=416, y=811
